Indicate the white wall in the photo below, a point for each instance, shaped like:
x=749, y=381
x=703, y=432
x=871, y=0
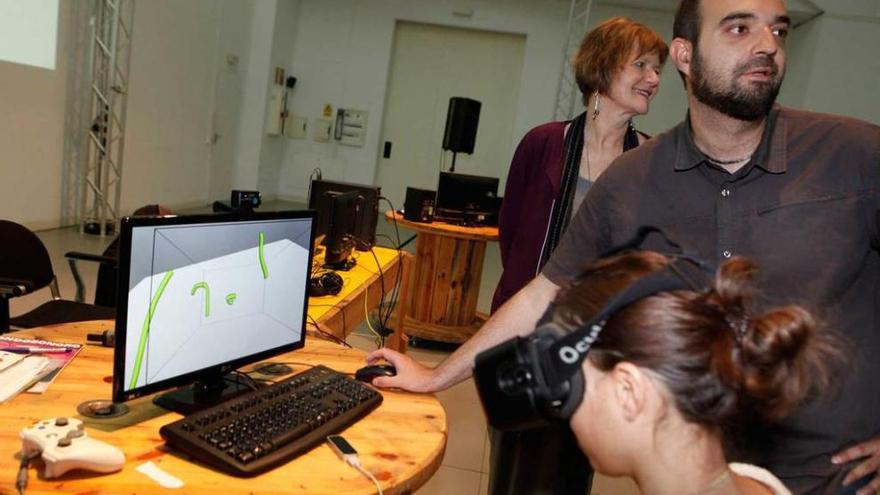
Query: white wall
x=340, y=52
x=32, y=136
x=167, y=155
x=231, y=63
x=286, y=16
x=342, y=55
x=834, y=65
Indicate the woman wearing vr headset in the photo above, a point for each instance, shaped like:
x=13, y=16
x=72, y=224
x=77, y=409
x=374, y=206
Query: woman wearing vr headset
x=673, y=374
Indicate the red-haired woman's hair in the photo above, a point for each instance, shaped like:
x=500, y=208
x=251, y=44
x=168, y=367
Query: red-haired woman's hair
x=607, y=48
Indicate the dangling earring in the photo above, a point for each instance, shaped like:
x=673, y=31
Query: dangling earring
x=595, y=104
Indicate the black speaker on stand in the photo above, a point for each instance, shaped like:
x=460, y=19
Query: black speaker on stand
x=462, y=120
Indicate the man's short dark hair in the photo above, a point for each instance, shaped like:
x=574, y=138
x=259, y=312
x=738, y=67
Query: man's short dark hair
x=687, y=25
x=687, y=21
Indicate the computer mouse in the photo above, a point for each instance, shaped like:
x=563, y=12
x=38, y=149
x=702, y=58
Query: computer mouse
x=367, y=373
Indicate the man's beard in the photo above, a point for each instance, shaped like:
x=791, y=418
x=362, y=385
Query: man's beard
x=742, y=103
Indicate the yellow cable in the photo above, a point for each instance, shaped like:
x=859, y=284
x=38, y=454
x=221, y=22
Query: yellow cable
x=370, y=325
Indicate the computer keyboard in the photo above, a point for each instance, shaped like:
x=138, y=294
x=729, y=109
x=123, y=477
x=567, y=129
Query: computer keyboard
x=259, y=430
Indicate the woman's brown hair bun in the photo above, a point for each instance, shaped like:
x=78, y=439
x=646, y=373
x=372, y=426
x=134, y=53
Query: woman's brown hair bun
x=784, y=358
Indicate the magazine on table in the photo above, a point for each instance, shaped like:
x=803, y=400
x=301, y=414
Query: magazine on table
x=37, y=360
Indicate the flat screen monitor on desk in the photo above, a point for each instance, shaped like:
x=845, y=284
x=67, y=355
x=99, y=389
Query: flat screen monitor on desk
x=467, y=199
x=200, y=296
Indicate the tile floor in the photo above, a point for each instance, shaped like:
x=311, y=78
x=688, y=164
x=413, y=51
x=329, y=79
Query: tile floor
x=465, y=466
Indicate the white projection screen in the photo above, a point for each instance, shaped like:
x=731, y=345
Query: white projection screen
x=28, y=32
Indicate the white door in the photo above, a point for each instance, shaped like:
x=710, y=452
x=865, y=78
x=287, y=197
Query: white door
x=429, y=65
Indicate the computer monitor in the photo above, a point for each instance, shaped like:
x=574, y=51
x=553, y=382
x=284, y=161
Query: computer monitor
x=341, y=209
x=470, y=199
x=367, y=216
x=200, y=296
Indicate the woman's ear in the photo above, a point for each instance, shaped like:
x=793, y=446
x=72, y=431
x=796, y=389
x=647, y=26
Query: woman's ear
x=681, y=51
x=632, y=388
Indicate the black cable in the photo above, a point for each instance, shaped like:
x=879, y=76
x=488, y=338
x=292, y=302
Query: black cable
x=337, y=305
x=330, y=335
x=251, y=383
x=22, y=478
x=394, y=217
x=263, y=366
x=391, y=244
x=382, y=285
x=316, y=174
x=395, y=295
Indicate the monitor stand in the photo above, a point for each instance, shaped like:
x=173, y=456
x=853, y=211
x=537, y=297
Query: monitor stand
x=202, y=394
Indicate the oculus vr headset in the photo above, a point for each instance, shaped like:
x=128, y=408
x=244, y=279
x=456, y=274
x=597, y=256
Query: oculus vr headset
x=526, y=382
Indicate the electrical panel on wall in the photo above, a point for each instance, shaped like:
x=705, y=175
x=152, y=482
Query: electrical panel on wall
x=322, y=130
x=296, y=127
x=351, y=127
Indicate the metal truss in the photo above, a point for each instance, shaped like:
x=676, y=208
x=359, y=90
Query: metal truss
x=568, y=95
x=110, y=27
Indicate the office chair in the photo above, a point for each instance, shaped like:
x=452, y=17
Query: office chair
x=105, y=286
x=25, y=267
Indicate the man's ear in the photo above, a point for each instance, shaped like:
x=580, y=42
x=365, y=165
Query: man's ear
x=631, y=389
x=681, y=52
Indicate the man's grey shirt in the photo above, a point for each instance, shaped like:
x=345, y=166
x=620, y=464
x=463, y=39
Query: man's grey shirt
x=806, y=210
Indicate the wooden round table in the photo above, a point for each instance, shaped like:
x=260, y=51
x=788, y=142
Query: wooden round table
x=442, y=297
x=401, y=442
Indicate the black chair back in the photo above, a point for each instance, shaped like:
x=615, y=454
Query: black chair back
x=23, y=257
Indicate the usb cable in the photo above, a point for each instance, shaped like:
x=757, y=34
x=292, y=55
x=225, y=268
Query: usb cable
x=353, y=461
x=349, y=455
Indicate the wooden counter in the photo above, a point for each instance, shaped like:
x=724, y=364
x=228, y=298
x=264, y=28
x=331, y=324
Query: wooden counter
x=401, y=442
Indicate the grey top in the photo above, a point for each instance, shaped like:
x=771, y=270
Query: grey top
x=805, y=208
x=580, y=191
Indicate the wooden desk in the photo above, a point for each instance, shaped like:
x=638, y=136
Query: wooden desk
x=401, y=442
x=341, y=313
x=441, y=302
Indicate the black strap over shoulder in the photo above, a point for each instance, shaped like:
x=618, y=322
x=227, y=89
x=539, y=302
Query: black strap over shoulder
x=561, y=214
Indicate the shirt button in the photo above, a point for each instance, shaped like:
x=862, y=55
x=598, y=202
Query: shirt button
x=725, y=192
x=727, y=254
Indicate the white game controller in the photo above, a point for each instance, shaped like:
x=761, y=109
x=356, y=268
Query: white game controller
x=65, y=445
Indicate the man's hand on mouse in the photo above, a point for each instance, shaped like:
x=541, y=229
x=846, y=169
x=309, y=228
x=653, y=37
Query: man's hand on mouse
x=411, y=375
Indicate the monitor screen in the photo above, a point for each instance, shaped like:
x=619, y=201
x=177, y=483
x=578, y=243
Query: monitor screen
x=199, y=296
x=459, y=193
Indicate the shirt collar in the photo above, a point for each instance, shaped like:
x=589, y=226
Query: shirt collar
x=770, y=155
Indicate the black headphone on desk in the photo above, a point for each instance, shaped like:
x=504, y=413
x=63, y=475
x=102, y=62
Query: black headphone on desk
x=327, y=284
x=529, y=381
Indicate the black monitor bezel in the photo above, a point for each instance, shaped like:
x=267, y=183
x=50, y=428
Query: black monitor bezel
x=123, y=279
x=449, y=182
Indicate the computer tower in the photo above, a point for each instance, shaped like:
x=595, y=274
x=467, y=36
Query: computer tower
x=367, y=215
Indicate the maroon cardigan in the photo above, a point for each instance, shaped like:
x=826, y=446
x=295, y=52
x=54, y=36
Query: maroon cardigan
x=533, y=184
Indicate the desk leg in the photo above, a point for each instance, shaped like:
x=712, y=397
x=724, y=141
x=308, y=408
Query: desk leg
x=397, y=340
